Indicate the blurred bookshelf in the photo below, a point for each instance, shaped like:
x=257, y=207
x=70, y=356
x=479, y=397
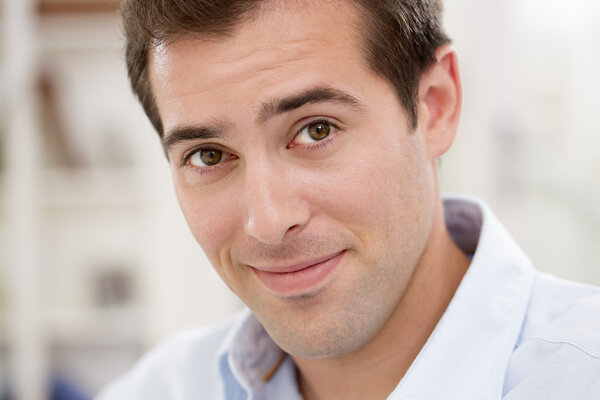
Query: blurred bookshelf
x=109, y=234
x=76, y=7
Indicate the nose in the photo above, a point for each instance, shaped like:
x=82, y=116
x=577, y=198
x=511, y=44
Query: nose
x=273, y=204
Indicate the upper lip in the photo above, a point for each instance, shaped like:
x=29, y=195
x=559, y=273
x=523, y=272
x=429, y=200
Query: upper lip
x=296, y=267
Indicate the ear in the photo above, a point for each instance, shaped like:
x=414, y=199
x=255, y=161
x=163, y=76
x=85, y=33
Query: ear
x=440, y=99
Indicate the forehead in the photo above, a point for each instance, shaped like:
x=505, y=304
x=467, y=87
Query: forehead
x=284, y=43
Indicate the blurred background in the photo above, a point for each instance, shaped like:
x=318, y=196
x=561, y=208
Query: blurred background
x=96, y=263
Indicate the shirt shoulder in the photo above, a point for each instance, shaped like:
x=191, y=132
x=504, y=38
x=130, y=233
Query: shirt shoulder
x=183, y=367
x=563, y=311
x=558, y=352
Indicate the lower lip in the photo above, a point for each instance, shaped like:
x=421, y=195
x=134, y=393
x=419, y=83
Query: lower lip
x=299, y=282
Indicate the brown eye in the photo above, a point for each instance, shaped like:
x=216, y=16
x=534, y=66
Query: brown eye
x=211, y=156
x=316, y=131
x=206, y=157
x=319, y=131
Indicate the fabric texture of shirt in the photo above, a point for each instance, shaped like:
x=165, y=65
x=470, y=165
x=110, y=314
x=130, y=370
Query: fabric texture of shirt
x=509, y=332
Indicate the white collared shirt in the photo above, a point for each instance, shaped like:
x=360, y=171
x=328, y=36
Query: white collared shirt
x=509, y=332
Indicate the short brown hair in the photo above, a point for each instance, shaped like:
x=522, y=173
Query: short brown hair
x=400, y=38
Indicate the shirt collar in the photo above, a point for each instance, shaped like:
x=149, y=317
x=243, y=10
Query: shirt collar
x=249, y=353
x=467, y=354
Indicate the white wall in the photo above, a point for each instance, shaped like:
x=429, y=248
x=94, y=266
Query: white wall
x=530, y=128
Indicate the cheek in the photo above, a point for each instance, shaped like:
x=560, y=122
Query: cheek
x=386, y=189
x=210, y=217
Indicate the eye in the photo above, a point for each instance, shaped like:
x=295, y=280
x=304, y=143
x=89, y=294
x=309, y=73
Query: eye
x=314, y=132
x=206, y=157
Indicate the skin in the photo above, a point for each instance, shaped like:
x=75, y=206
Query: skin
x=367, y=191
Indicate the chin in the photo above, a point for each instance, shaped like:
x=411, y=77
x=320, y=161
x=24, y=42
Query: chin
x=317, y=340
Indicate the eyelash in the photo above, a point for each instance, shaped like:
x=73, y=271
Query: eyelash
x=311, y=147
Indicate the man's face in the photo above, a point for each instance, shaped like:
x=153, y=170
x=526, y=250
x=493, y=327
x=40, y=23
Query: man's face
x=297, y=173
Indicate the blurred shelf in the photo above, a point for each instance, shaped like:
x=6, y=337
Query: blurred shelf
x=90, y=328
x=86, y=33
x=77, y=7
x=94, y=327
x=90, y=188
x=96, y=188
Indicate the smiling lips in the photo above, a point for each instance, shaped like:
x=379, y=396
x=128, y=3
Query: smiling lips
x=299, y=278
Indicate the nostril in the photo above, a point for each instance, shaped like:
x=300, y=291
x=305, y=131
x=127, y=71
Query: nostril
x=294, y=228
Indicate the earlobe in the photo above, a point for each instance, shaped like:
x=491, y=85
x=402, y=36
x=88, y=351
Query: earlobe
x=440, y=99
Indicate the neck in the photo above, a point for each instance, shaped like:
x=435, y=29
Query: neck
x=374, y=370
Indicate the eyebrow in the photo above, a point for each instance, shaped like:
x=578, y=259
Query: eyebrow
x=314, y=95
x=192, y=132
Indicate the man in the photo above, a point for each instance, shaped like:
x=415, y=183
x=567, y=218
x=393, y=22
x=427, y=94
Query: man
x=303, y=138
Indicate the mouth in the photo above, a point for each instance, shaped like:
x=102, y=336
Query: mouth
x=300, y=278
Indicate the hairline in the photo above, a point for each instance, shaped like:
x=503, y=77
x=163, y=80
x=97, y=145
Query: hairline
x=365, y=34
